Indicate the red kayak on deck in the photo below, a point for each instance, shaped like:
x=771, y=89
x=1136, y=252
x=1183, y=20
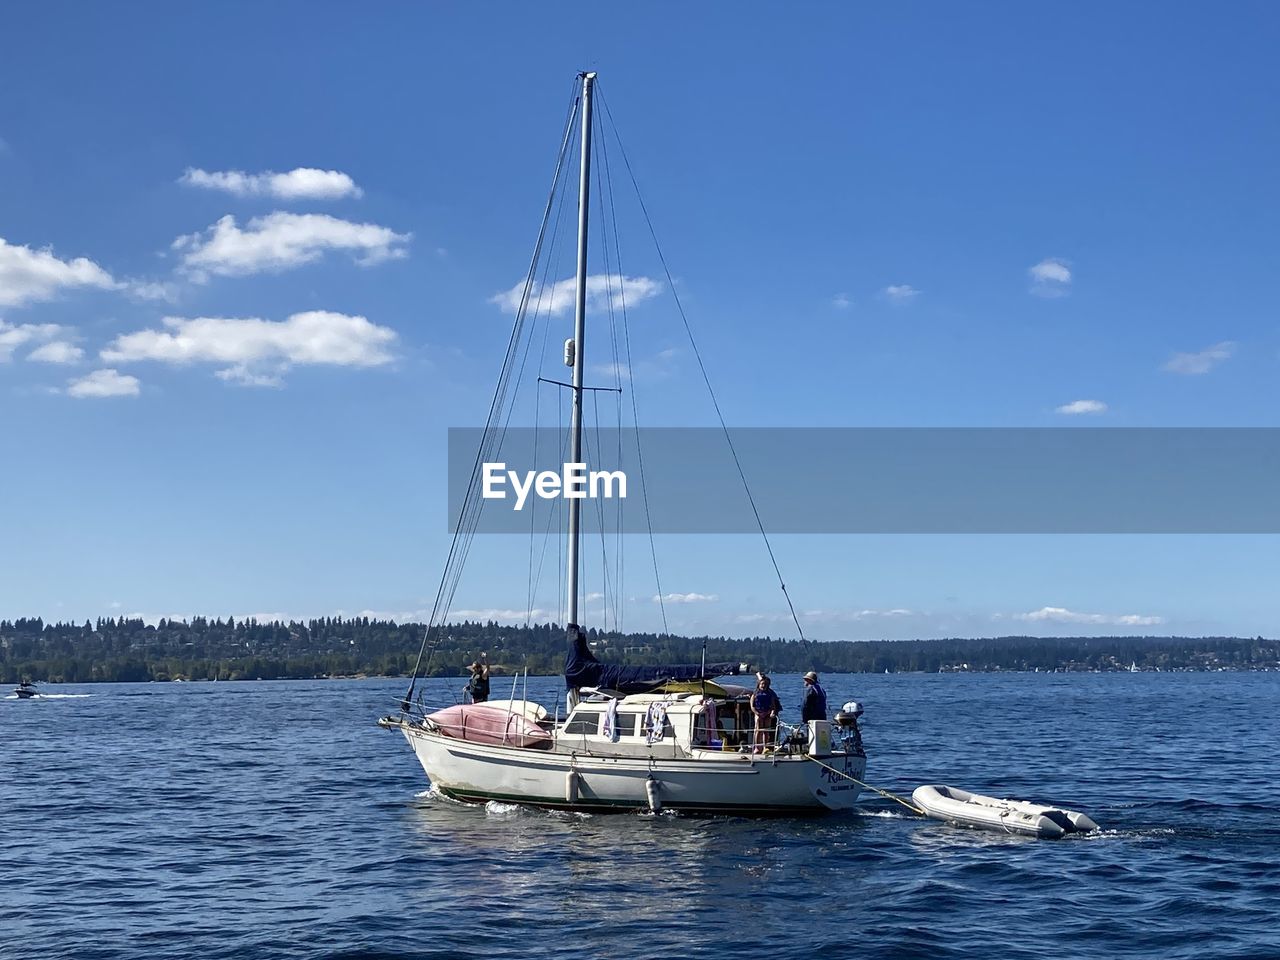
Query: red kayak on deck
x=481, y=723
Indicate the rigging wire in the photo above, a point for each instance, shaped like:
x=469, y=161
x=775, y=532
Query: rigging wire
x=635, y=414
x=469, y=515
x=533, y=512
x=493, y=439
x=608, y=222
x=543, y=287
x=701, y=366
x=604, y=543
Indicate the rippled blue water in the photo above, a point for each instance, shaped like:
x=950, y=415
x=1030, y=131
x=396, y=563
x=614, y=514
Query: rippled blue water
x=239, y=820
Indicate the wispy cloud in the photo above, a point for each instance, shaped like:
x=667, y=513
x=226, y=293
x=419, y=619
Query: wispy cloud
x=103, y=383
x=1201, y=362
x=13, y=336
x=1063, y=615
x=841, y=301
x=59, y=351
x=851, y=616
x=28, y=275
x=657, y=367
x=1077, y=407
x=301, y=183
x=685, y=598
x=900, y=293
x=257, y=352
x=151, y=290
x=499, y=614
x=1050, y=277
x=557, y=298
x=280, y=241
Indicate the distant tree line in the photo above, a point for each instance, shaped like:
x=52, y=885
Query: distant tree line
x=128, y=649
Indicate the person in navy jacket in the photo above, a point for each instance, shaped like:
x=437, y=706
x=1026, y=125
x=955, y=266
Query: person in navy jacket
x=813, y=705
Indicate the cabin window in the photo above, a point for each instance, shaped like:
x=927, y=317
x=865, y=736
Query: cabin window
x=627, y=724
x=584, y=722
x=734, y=725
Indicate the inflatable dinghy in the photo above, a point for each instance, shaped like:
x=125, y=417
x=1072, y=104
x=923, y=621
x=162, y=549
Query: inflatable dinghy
x=1005, y=816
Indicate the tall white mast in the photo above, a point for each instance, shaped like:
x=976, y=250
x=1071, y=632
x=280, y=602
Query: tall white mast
x=579, y=330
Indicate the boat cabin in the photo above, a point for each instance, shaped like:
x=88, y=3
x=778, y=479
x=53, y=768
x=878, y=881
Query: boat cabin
x=666, y=723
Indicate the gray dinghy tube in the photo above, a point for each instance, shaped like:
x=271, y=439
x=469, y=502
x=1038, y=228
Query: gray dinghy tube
x=954, y=805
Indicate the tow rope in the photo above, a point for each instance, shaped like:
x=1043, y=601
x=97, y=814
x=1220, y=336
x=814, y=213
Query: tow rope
x=884, y=793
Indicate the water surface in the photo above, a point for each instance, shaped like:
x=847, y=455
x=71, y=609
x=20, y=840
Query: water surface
x=273, y=819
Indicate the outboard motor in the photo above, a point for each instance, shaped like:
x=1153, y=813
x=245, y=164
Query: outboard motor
x=846, y=730
x=849, y=714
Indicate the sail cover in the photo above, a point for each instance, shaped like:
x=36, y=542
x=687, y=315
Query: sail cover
x=582, y=669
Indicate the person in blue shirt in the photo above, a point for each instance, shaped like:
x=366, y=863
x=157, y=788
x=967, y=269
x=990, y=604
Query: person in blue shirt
x=766, y=706
x=813, y=706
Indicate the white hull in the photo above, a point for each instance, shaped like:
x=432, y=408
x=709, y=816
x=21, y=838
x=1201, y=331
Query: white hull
x=707, y=781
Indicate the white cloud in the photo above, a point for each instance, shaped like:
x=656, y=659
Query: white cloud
x=151, y=290
x=103, y=383
x=28, y=275
x=558, y=297
x=842, y=616
x=495, y=613
x=1202, y=362
x=686, y=598
x=900, y=293
x=280, y=241
x=841, y=301
x=13, y=336
x=1050, y=277
x=301, y=183
x=1063, y=615
x=661, y=366
x=257, y=351
x=59, y=351
x=245, y=376
x=1082, y=406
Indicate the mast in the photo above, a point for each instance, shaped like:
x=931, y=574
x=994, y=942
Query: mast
x=579, y=330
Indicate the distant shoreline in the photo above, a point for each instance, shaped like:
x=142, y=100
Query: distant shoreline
x=131, y=650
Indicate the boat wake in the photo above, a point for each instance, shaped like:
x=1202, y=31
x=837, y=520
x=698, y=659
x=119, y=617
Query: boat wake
x=883, y=814
x=497, y=808
x=49, y=696
x=431, y=793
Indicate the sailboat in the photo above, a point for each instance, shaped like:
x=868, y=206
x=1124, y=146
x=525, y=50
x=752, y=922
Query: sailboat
x=667, y=737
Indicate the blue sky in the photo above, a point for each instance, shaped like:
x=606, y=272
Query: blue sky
x=876, y=215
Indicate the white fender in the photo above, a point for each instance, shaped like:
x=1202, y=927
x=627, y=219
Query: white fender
x=652, y=789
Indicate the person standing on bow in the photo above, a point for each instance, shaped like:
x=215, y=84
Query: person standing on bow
x=478, y=686
x=766, y=706
x=813, y=705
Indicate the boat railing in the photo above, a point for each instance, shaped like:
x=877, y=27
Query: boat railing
x=779, y=738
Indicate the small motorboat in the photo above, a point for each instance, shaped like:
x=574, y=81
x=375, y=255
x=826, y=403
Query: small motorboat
x=966, y=809
x=26, y=690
